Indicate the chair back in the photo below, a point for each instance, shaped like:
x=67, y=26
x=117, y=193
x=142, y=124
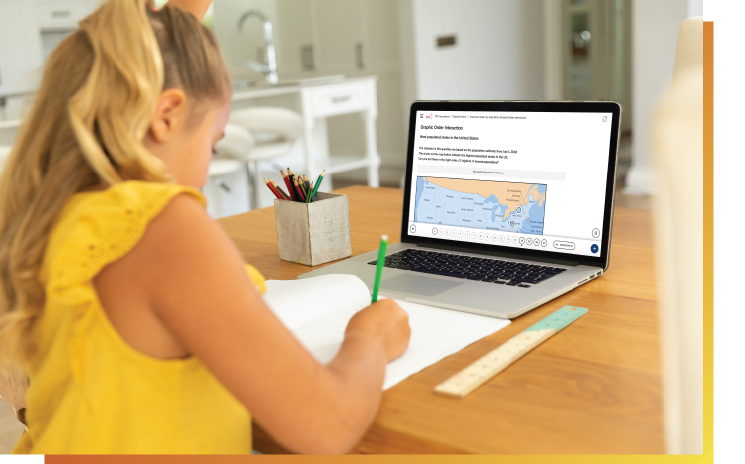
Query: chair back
x=689, y=51
x=270, y=124
x=678, y=148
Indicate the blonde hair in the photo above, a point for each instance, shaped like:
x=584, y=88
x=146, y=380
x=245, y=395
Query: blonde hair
x=86, y=128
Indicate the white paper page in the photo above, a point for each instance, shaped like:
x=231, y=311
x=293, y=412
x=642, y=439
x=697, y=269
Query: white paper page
x=298, y=302
x=435, y=332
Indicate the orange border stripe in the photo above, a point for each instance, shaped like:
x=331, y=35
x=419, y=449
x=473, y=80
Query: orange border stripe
x=708, y=283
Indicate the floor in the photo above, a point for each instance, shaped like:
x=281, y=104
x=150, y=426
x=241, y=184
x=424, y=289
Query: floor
x=11, y=429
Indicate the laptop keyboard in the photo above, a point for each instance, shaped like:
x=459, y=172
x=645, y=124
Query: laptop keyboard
x=470, y=267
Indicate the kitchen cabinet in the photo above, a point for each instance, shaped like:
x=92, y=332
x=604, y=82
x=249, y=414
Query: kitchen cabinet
x=20, y=47
x=324, y=37
x=381, y=43
x=29, y=31
x=295, y=50
x=319, y=38
x=340, y=36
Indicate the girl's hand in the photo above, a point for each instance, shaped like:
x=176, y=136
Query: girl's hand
x=386, y=321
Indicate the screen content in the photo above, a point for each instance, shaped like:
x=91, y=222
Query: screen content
x=524, y=180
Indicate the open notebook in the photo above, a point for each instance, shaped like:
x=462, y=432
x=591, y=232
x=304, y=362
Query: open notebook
x=317, y=310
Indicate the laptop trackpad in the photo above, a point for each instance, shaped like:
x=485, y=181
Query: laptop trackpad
x=418, y=285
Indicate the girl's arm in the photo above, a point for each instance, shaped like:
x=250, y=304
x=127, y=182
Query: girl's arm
x=196, y=7
x=194, y=279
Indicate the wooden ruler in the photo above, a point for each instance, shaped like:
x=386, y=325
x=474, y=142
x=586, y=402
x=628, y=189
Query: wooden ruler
x=478, y=373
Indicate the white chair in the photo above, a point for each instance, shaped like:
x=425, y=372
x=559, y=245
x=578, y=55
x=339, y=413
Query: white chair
x=689, y=51
x=227, y=186
x=678, y=147
x=275, y=131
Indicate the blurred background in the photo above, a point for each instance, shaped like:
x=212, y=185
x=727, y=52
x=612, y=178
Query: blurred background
x=372, y=58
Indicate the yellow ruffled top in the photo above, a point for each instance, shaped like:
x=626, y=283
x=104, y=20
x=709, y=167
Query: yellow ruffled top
x=90, y=392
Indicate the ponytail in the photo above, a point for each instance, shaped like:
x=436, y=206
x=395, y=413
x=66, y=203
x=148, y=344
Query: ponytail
x=111, y=112
x=86, y=128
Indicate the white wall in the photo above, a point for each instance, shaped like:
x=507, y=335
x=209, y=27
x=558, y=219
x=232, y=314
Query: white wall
x=498, y=54
x=695, y=8
x=655, y=34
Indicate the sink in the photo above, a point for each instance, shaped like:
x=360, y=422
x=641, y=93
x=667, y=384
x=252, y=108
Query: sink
x=257, y=84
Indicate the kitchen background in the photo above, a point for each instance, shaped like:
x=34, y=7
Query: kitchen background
x=347, y=71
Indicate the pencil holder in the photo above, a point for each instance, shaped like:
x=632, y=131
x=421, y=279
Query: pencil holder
x=313, y=233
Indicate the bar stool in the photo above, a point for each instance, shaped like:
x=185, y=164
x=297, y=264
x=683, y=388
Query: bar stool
x=275, y=131
x=228, y=173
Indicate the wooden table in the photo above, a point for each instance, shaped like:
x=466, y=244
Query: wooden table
x=594, y=388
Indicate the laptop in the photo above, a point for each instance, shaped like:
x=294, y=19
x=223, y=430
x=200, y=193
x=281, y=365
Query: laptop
x=507, y=205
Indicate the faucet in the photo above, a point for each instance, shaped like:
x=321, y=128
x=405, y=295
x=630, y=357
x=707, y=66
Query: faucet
x=270, y=68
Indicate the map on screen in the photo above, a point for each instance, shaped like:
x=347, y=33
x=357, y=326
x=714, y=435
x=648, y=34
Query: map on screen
x=481, y=204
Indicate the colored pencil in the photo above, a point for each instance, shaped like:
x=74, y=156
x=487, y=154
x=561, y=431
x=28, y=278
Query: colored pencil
x=318, y=183
x=289, y=185
x=279, y=189
x=310, y=197
x=307, y=182
x=293, y=182
x=271, y=187
x=299, y=183
x=299, y=191
x=381, y=263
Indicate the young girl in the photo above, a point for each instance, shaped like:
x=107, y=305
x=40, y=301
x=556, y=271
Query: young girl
x=129, y=309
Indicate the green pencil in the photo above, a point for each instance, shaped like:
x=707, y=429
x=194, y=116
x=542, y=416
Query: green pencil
x=381, y=263
x=310, y=198
x=318, y=182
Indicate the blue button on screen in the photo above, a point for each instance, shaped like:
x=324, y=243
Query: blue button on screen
x=594, y=248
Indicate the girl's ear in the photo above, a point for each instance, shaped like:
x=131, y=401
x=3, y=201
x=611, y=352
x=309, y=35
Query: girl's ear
x=171, y=112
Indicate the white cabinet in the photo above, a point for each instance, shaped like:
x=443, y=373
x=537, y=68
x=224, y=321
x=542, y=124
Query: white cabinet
x=340, y=37
x=57, y=18
x=381, y=43
x=60, y=16
x=316, y=38
x=29, y=30
x=356, y=38
x=20, y=47
x=323, y=37
x=295, y=50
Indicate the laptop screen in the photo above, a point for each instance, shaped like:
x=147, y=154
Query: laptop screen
x=524, y=180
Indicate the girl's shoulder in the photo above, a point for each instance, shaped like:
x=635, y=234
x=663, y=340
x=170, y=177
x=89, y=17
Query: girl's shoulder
x=126, y=200
x=96, y=228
